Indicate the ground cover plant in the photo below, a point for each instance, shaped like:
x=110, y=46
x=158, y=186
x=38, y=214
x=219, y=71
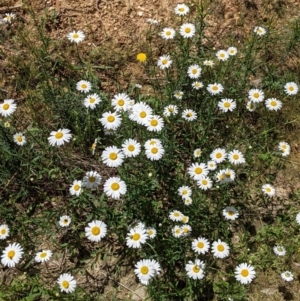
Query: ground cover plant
x=171, y=184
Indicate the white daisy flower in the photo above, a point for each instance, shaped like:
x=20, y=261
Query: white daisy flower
x=197, y=152
x=76, y=188
x=204, y=183
x=120, y=102
x=287, y=276
x=244, y=273
x=170, y=110
x=215, y=88
x=154, y=152
x=211, y=165
x=230, y=213
x=200, y=245
x=115, y=187
x=19, y=138
x=187, y=201
x=236, y=157
x=185, y=219
x=7, y=107
x=198, y=170
x=291, y=88
x=256, y=95
x=284, y=148
x=76, y=36
x=194, y=71
x=197, y=85
x=184, y=191
x=279, y=250
x=175, y=216
x=43, y=256
x=131, y=148
x=222, y=55
x=226, y=105
x=218, y=155
x=168, y=33
x=164, y=62
x=151, y=232
x=93, y=147
x=145, y=270
x=64, y=221
x=177, y=231
x=141, y=113
x=95, y=230
x=220, y=249
x=153, y=142
x=4, y=231
x=112, y=156
x=155, y=124
x=273, y=104
x=228, y=175
x=260, y=31
x=178, y=94
x=268, y=189
x=91, y=180
x=187, y=30
x=84, y=86
x=136, y=237
x=251, y=106
x=181, y=9
x=186, y=230
x=8, y=17
x=110, y=121
x=91, y=101
x=152, y=21
x=59, y=137
x=195, y=270
x=11, y=255
x=66, y=283
x=232, y=50
x=298, y=218
x=189, y=115
x=208, y=63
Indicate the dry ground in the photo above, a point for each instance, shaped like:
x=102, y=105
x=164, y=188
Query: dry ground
x=121, y=24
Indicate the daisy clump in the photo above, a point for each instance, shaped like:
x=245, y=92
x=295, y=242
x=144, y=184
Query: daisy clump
x=146, y=269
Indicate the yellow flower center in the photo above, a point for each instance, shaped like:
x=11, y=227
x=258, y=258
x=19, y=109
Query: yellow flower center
x=194, y=71
x=181, y=9
x=3, y=231
x=222, y=55
x=187, y=30
x=235, y=156
x=177, y=231
x=115, y=186
x=171, y=110
x=227, y=104
x=150, y=232
x=144, y=270
x=93, y=146
x=66, y=221
x=154, y=150
x=136, y=236
x=268, y=189
x=43, y=255
x=75, y=36
x=76, y=187
x=196, y=269
x=19, y=138
x=143, y=114
x=186, y=230
x=227, y=174
x=11, y=254
x=5, y=106
x=244, y=273
x=131, y=148
x=121, y=102
x=215, y=88
x=256, y=95
x=154, y=122
x=198, y=170
x=251, y=106
x=111, y=118
x=204, y=182
x=92, y=100
x=291, y=88
x=83, y=86
x=65, y=284
x=96, y=230
x=113, y=156
x=231, y=213
x=200, y=244
x=189, y=114
x=92, y=179
x=273, y=103
x=184, y=192
x=164, y=61
x=168, y=33
x=218, y=155
x=220, y=248
x=59, y=135
x=176, y=214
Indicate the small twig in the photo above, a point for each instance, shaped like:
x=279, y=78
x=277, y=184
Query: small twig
x=10, y=8
x=8, y=182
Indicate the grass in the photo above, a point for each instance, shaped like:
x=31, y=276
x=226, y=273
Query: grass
x=36, y=177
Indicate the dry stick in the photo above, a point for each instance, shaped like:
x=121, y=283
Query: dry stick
x=117, y=283
x=8, y=182
x=10, y=8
